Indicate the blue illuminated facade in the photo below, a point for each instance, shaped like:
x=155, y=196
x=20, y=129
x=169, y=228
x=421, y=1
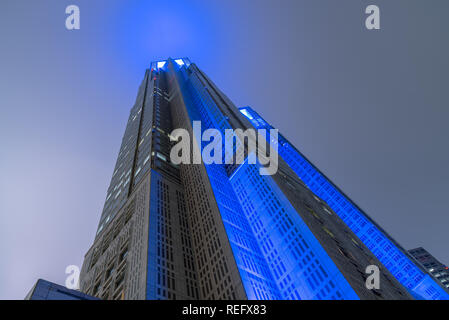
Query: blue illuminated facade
x=256, y=276
x=300, y=265
x=277, y=255
x=393, y=257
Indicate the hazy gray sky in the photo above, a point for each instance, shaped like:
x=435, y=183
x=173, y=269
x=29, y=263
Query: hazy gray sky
x=369, y=108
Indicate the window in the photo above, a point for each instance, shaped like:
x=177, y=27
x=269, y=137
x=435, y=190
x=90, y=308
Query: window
x=96, y=289
x=179, y=62
x=246, y=113
x=161, y=156
x=123, y=255
x=119, y=281
x=109, y=272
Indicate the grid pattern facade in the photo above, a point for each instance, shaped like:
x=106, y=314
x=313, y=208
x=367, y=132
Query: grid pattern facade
x=394, y=258
x=432, y=265
x=301, y=266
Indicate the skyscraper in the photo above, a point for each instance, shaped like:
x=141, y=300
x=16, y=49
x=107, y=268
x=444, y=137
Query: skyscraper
x=224, y=231
x=439, y=270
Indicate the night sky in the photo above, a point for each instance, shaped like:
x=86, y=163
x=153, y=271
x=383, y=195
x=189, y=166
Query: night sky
x=369, y=108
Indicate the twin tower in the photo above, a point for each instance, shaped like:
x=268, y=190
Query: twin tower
x=224, y=231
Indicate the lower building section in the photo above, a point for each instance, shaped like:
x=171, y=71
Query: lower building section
x=115, y=267
x=300, y=266
x=171, y=272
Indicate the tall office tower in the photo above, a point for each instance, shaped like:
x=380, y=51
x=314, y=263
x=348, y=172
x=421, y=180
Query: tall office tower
x=221, y=230
x=432, y=265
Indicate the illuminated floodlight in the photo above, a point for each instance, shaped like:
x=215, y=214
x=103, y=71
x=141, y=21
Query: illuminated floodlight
x=180, y=62
x=246, y=113
x=160, y=64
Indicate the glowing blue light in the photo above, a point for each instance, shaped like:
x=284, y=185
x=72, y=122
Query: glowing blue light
x=253, y=269
x=262, y=277
x=179, y=62
x=246, y=113
x=293, y=253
